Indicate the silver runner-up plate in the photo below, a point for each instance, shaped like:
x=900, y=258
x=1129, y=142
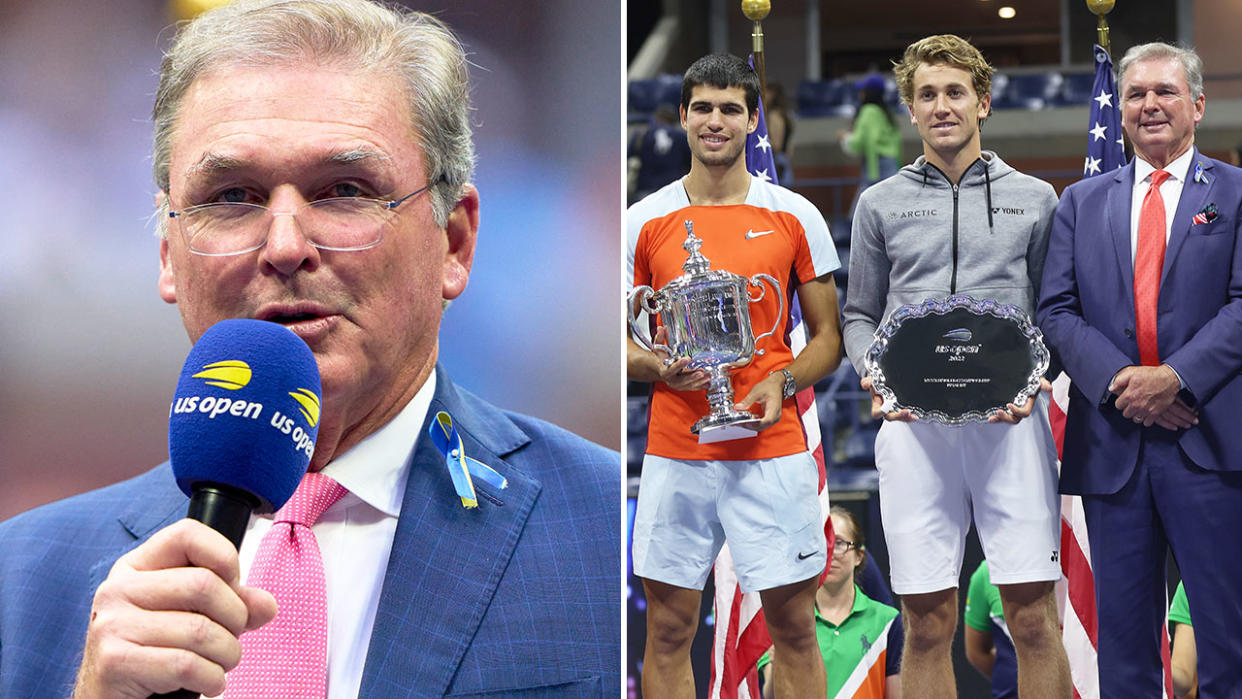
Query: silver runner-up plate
x=957, y=359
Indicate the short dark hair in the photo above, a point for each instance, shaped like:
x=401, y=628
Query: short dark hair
x=722, y=70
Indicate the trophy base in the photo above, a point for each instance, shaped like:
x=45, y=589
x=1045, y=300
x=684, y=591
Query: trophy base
x=735, y=424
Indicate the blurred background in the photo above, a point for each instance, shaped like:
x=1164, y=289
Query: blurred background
x=819, y=53
x=89, y=354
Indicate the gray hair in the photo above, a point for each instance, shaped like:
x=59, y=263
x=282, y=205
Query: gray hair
x=1192, y=65
x=414, y=46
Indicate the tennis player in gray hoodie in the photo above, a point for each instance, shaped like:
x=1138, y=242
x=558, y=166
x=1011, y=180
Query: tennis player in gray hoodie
x=959, y=221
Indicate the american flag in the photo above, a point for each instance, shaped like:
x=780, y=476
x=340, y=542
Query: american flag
x=741, y=635
x=1105, y=146
x=1105, y=153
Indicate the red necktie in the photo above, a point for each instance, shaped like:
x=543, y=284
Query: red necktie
x=288, y=657
x=1148, y=261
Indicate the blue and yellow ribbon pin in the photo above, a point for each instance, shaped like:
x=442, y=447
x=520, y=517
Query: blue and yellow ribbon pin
x=462, y=469
x=1200, y=176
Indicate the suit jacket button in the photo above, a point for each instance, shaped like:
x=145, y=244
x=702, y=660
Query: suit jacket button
x=1129, y=332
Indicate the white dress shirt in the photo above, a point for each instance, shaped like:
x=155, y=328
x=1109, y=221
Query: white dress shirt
x=1170, y=192
x=355, y=537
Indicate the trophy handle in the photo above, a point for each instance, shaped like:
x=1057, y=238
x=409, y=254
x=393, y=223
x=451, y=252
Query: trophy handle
x=641, y=296
x=780, y=314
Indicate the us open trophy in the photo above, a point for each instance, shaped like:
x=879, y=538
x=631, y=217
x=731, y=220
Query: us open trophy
x=707, y=315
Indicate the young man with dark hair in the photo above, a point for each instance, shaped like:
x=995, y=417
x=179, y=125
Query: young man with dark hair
x=959, y=220
x=760, y=492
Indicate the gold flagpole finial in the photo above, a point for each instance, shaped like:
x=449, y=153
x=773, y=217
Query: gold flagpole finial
x=1101, y=8
x=756, y=11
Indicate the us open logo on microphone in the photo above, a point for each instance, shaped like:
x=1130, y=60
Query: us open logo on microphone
x=236, y=375
x=308, y=405
x=231, y=375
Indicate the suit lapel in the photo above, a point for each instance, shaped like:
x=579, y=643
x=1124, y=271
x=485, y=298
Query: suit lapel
x=446, y=561
x=1194, y=198
x=1118, y=225
x=163, y=504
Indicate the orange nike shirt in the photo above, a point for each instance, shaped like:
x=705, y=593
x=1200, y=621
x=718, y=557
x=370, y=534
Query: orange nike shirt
x=764, y=235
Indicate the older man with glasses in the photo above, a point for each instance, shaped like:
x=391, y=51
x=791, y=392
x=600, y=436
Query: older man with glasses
x=314, y=163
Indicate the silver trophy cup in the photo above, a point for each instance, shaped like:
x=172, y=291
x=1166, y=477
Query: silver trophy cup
x=707, y=316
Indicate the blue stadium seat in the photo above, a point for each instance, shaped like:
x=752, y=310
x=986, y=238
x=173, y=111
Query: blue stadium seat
x=825, y=98
x=643, y=96
x=860, y=447
x=668, y=89
x=641, y=99
x=1029, y=91
x=891, y=96
x=1076, y=89
x=1000, y=84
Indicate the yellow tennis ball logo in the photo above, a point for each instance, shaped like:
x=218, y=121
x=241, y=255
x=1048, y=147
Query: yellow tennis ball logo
x=230, y=374
x=309, y=402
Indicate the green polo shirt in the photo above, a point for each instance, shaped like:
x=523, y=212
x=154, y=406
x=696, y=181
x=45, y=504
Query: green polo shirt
x=1179, y=611
x=855, y=650
x=983, y=602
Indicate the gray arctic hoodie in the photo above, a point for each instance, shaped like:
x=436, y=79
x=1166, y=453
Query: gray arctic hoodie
x=917, y=236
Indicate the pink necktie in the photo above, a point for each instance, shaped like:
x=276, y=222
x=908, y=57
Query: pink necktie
x=289, y=656
x=1148, y=263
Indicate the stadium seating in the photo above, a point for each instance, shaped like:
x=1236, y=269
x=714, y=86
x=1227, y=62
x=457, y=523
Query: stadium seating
x=1028, y=91
x=820, y=98
x=1076, y=89
x=838, y=98
x=643, y=96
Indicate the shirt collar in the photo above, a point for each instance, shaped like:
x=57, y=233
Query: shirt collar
x=1177, y=169
x=375, y=469
x=861, y=602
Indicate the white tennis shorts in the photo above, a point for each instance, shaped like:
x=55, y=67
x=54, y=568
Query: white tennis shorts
x=767, y=509
x=934, y=477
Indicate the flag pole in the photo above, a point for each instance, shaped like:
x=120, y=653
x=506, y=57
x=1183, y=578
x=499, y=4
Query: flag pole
x=1101, y=8
x=756, y=11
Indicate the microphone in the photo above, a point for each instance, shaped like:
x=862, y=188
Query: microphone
x=242, y=424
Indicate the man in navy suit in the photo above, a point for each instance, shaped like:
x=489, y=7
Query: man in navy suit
x=291, y=118
x=1142, y=300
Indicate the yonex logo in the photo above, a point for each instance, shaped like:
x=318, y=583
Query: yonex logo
x=309, y=402
x=958, y=335
x=231, y=374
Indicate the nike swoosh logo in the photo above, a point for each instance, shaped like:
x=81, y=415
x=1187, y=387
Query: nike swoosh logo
x=803, y=556
x=755, y=234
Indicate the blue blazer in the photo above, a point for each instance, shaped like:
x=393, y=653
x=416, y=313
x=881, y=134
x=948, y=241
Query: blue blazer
x=520, y=597
x=1086, y=312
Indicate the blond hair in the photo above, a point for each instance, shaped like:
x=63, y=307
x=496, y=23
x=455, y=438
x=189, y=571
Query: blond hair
x=943, y=49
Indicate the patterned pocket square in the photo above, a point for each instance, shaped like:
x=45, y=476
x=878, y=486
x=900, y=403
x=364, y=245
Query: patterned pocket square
x=1206, y=215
